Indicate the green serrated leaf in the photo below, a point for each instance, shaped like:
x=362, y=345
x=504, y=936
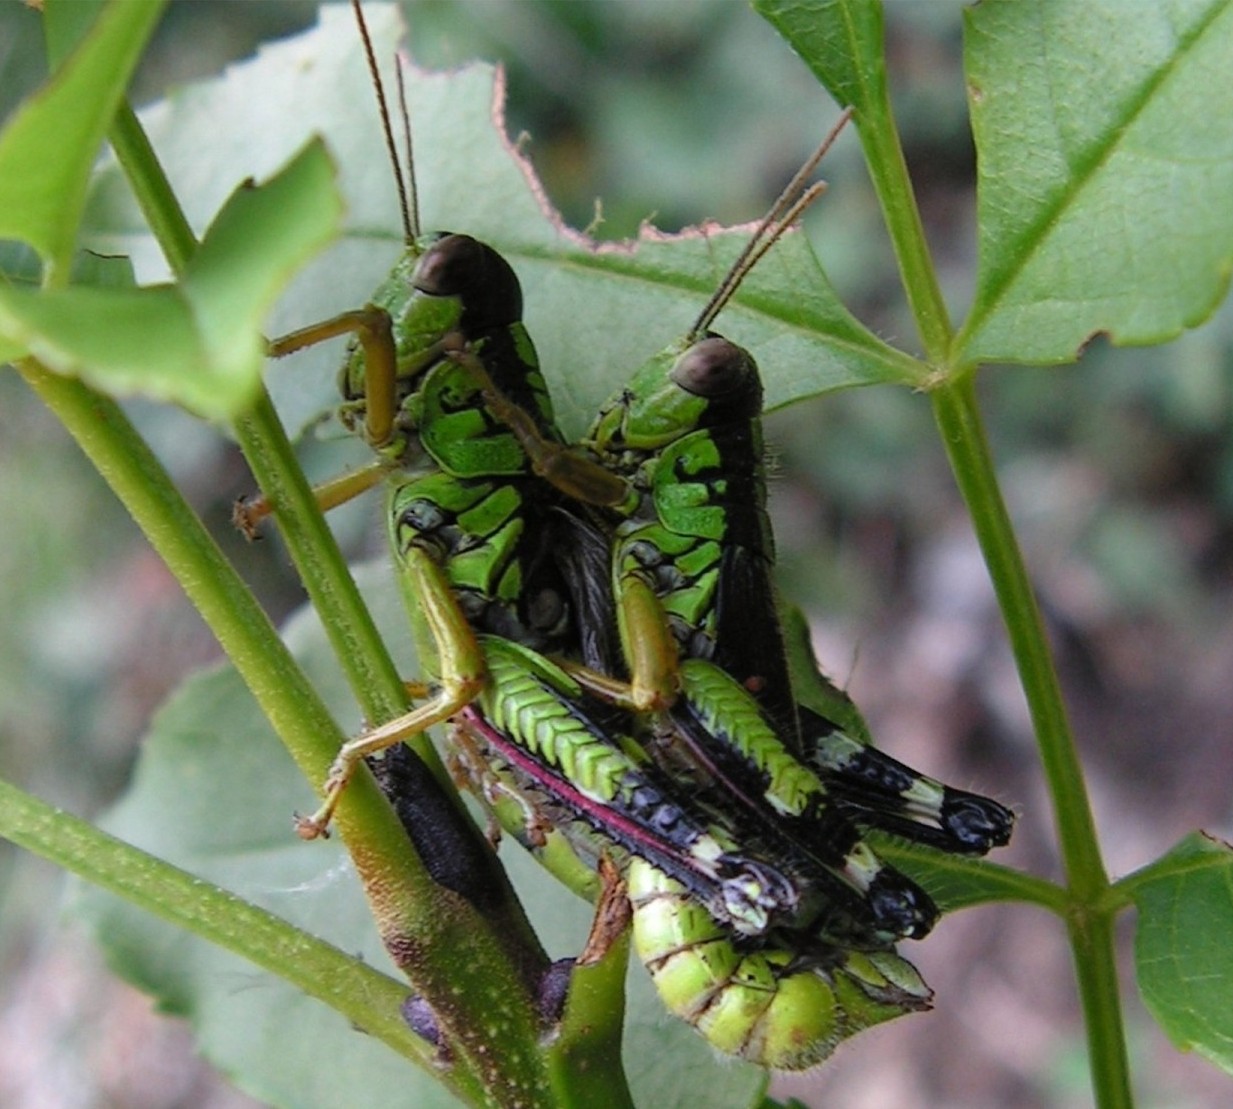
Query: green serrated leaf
x=49, y=146
x=1182, y=954
x=198, y=343
x=1105, y=148
x=580, y=300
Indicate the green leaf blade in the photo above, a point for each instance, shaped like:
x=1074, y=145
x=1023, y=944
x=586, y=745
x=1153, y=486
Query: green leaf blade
x=230, y=286
x=1105, y=149
x=198, y=344
x=1182, y=953
x=840, y=41
x=49, y=147
x=787, y=313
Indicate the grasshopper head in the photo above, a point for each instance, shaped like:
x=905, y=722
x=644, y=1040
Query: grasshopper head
x=448, y=291
x=708, y=383
x=449, y=287
x=476, y=276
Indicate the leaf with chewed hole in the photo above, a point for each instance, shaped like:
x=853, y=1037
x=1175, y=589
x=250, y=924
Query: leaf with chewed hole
x=197, y=342
x=596, y=311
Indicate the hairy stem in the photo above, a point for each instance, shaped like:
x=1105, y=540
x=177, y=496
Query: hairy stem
x=1089, y=922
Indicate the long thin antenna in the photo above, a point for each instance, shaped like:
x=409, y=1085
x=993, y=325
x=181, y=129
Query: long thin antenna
x=408, y=149
x=783, y=213
x=407, y=226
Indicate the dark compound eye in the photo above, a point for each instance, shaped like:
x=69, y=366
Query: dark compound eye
x=713, y=367
x=452, y=265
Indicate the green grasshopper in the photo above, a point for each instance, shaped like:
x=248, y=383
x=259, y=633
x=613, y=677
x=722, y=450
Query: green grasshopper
x=704, y=547
x=417, y=407
x=464, y=535
x=692, y=560
x=470, y=536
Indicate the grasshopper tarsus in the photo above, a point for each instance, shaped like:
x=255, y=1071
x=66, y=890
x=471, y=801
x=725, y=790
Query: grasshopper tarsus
x=247, y=513
x=310, y=828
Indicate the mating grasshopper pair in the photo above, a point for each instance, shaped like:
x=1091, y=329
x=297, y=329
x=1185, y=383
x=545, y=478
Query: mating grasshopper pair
x=666, y=732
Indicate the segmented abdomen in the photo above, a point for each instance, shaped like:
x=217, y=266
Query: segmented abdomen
x=534, y=719
x=775, y=1008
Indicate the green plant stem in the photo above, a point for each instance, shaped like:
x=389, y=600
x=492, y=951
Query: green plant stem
x=358, y=646
x=889, y=172
x=1090, y=925
x=588, y=1041
x=451, y=955
x=1092, y=945
x=361, y=652
x=155, y=198
x=369, y=999
x=958, y=418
